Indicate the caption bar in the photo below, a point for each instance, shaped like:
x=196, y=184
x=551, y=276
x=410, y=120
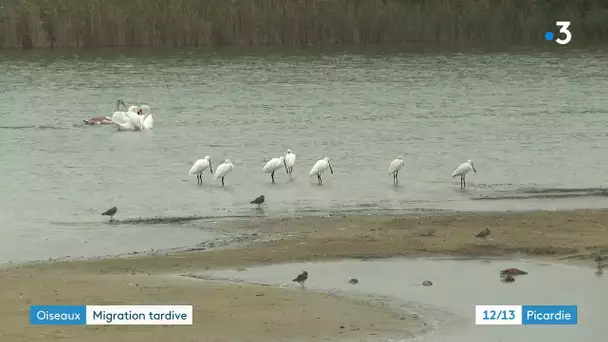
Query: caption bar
x=526, y=314
x=111, y=315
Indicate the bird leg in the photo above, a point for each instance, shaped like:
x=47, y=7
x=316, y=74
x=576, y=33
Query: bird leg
x=222, y=181
x=319, y=178
x=272, y=176
x=396, y=177
x=289, y=172
x=464, y=182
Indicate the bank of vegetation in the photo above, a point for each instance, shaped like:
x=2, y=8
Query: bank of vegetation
x=26, y=24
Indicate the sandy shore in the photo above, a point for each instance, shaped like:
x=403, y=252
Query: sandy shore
x=270, y=314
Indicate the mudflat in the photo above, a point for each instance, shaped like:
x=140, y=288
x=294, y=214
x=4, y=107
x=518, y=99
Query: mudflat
x=232, y=312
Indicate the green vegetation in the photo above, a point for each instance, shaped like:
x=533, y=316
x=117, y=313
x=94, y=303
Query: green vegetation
x=30, y=24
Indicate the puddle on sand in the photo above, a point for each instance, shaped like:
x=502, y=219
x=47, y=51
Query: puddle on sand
x=457, y=286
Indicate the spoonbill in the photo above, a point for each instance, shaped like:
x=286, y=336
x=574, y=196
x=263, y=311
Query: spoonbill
x=273, y=165
x=462, y=170
x=223, y=170
x=290, y=161
x=394, y=168
x=199, y=166
x=320, y=166
x=110, y=212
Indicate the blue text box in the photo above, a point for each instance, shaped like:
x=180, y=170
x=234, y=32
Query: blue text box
x=58, y=314
x=549, y=314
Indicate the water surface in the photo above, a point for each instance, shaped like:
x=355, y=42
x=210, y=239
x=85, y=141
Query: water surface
x=533, y=121
x=458, y=285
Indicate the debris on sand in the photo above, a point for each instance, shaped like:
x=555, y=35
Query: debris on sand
x=427, y=283
x=353, y=281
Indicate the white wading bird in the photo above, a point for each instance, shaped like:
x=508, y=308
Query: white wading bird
x=273, y=165
x=394, y=168
x=290, y=161
x=199, y=166
x=223, y=170
x=320, y=166
x=462, y=170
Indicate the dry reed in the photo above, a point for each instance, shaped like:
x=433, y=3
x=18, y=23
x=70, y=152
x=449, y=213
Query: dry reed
x=30, y=24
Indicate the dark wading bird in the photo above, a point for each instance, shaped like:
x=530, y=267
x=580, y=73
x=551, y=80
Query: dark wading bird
x=462, y=170
x=259, y=200
x=320, y=166
x=483, y=234
x=110, y=212
x=301, y=278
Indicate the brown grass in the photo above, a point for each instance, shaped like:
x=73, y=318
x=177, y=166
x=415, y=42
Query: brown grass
x=30, y=24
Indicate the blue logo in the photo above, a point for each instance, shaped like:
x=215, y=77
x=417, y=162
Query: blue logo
x=549, y=315
x=58, y=315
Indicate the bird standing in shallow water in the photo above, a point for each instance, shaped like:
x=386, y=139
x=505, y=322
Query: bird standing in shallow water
x=110, y=212
x=394, y=168
x=320, y=166
x=259, y=200
x=290, y=161
x=301, y=278
x=462, y=170
x=199, y=166
x=223, y=170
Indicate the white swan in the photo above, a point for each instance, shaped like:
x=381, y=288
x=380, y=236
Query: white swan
x=147, y=121
x=127, y=121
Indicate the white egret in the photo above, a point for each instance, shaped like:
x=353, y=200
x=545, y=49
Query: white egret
x=320, y=166
x=223, y=170
x=199, y=166
x=394, y=168
x=462, y=170
x=290, y=161
x=273, y=165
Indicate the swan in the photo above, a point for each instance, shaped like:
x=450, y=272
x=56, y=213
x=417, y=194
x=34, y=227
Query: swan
x=103, y=120
x=127, y=121
x=147, y=121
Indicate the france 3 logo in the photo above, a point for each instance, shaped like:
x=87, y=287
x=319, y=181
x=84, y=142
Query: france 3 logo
x=564, y=35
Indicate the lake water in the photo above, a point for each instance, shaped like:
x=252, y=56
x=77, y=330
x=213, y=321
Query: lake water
x=458, y=285
x=534, y=122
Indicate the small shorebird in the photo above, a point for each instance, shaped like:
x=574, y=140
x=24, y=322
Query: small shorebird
x=110, y=212
x=259, y=200
x=483, y=234
x=301, y=278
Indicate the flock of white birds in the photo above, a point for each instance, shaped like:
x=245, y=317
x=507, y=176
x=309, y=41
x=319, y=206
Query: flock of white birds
x=289, y=161
x=140, y=118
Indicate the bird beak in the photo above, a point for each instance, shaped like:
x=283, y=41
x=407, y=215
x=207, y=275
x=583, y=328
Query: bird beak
x=330, y=169
x=473, y=166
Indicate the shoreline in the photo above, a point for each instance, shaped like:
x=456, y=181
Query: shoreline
x=551, y=236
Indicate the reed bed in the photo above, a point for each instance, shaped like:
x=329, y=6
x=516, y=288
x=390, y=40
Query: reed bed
x=28, y=24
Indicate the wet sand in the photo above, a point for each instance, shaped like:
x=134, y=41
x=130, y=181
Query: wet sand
x=271, y=314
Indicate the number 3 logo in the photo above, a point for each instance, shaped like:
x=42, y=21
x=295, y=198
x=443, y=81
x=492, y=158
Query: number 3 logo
x=563, y=28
